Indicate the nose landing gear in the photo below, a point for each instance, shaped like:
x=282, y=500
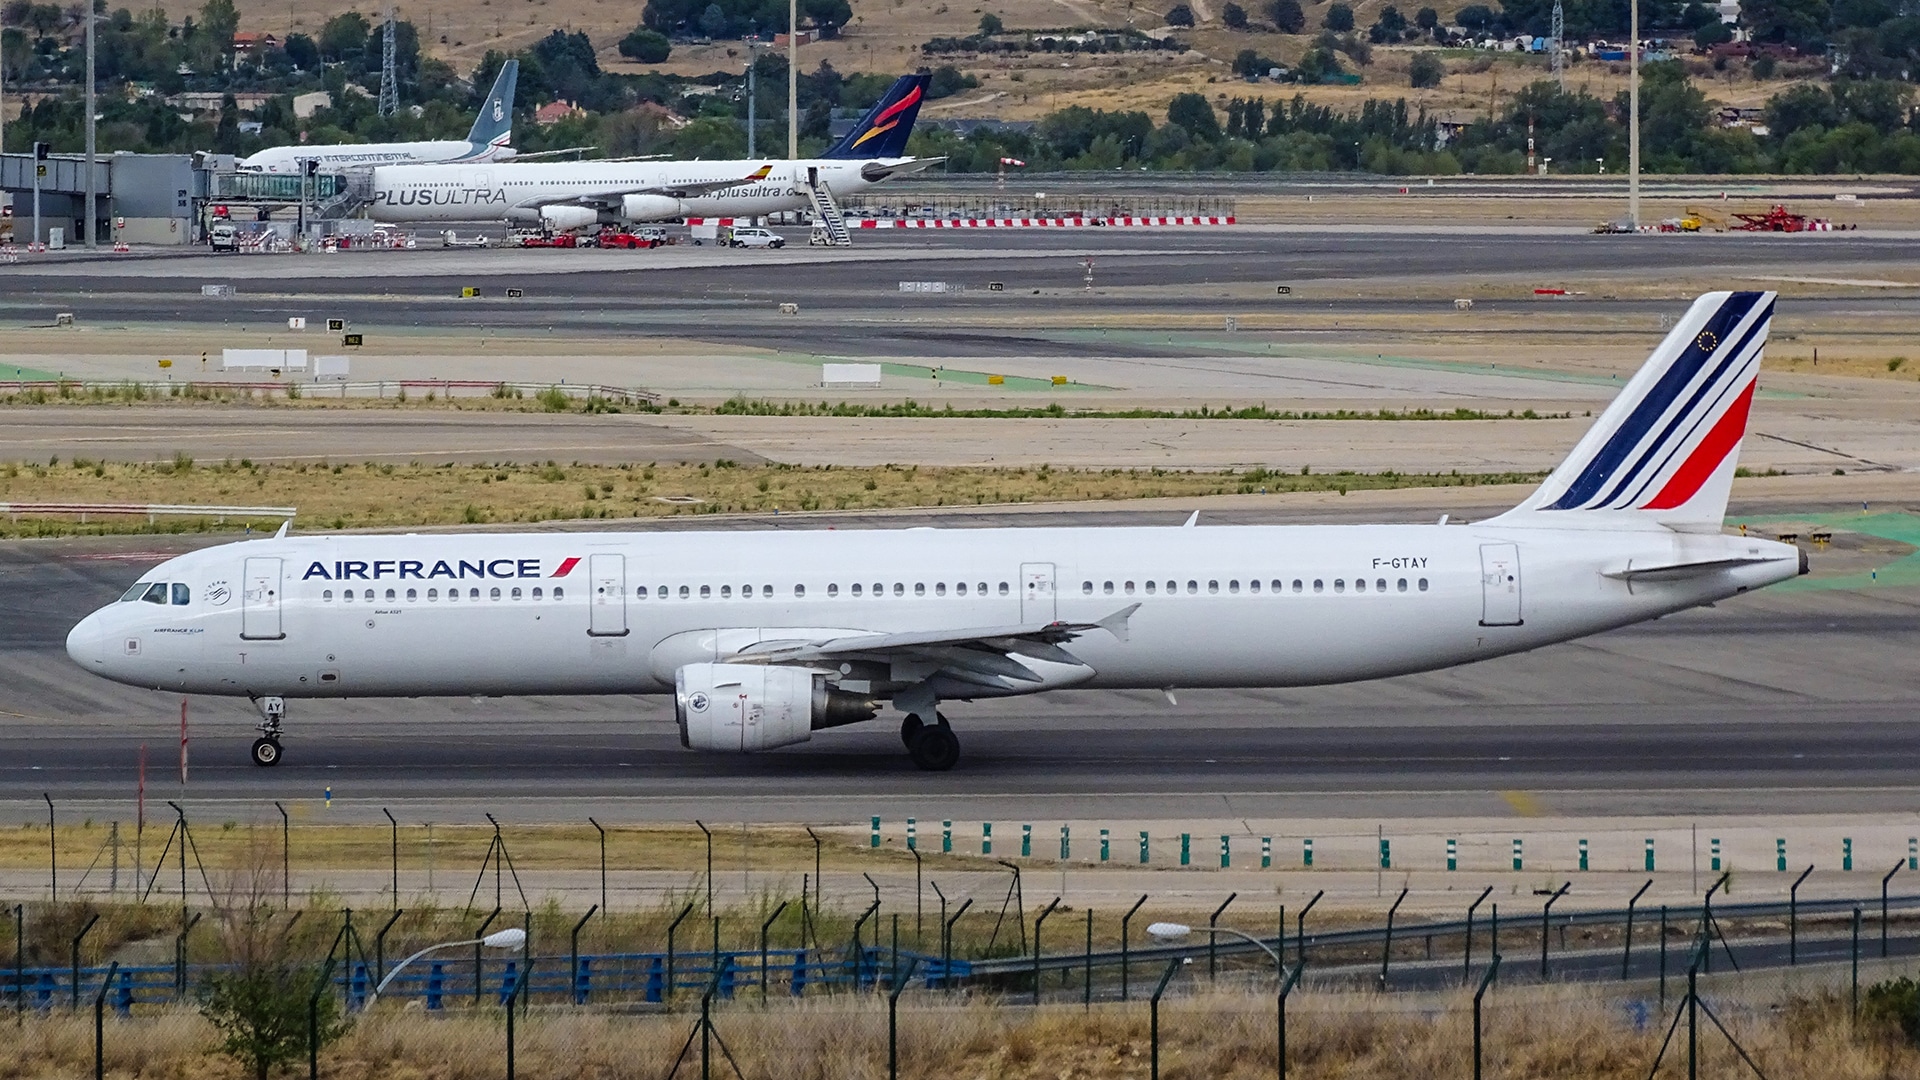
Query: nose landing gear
x=266, y=749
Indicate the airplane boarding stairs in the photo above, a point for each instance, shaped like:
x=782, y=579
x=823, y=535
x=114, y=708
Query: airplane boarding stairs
x=827, y=213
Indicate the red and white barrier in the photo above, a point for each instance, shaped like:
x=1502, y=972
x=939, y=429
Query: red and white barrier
x=1003, y=223
x=1035, y=223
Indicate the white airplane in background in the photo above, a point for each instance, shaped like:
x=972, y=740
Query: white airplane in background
x=576, y=194
x=764, y=638
x=487, y=141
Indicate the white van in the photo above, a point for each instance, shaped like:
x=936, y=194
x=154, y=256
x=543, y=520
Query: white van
x=755, y=238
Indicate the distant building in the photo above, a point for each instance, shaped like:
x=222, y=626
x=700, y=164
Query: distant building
x=305, y=105
x=555, y=111
x=208, y=101
x=249, y=43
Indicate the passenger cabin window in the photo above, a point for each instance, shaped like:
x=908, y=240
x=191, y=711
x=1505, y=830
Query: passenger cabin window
x=1150, y=587
x=433, y=595
x=684, y=592
x=536, y=593
x=1380, y=585
x=726, y=592
x=413, y=595
x=706, y=592
x=940, y=589
x=390, y=596
x=799, y=590
x=1402, y=585
x=515, y=594
x=1319, y=585
x=1339, y=585
x=326, y=595
x=960, y=588
x=1254, y=585
x=1360, y=585
x=854, y=588
x=1004, y=589
x=899, y=589
x=641, y=593
x=558, y=593
x=1107, y=588
x=833, y=589
x=1423, y=584
x=1233, y=586
x=494, y=593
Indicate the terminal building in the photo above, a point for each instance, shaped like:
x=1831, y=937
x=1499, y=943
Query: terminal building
x=158, y=198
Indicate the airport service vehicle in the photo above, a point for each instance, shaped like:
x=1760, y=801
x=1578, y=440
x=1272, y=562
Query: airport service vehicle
x=487, y=140
x=743, y=237
x=621, y=238
x=577, y=194
x=223, y=236
x=536, y=239
x=453, y=239
x=764, y=638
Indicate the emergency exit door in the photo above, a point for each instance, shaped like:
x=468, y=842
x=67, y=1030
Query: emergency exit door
x=1499, y=585
x=1036, y=593
x=260, y=601
x=607, y=607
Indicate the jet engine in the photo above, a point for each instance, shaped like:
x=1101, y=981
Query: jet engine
x=568, y=217
x=744, y=707
x=651, y=208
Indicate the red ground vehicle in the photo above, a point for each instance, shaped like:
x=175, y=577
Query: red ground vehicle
x=1780, y=219
x=618, y=238
x=546, y=240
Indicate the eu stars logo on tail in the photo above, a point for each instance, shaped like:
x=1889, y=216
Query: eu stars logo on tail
x=883, y=132
x=1665, y=451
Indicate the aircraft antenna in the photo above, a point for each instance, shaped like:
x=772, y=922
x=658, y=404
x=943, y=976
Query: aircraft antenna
x=390, y=86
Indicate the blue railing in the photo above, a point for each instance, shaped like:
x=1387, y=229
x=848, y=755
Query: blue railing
x=438, y=983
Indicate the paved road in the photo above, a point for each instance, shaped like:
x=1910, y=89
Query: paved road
x=1795, y=702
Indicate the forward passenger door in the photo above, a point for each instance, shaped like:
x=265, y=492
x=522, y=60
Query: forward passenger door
x=607, y=606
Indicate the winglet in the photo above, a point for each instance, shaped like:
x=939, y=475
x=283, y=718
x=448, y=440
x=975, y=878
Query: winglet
x=281, y=533
x=1116, y=623
x=1192, y=520
x=760, y=173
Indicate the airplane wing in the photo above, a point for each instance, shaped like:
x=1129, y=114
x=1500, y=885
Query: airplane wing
x=671, y=191
x=574, y=150
x=875, y=171
x=984, y=656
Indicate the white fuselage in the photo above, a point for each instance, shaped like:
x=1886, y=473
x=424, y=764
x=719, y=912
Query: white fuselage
x=512, y=192
x=612, y=613
x=348, y=156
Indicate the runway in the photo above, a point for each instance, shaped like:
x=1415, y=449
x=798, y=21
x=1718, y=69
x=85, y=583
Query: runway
x=1798, y=695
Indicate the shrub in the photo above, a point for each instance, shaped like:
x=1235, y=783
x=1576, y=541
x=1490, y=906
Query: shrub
x=645, y=46
x=1339, y=18
x=991, y=24
x=1425, y=71
x=1287, y=16
x=1234, y=16
x=1179, y=15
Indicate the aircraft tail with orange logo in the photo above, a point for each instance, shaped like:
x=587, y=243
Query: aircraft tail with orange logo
x=882, y=133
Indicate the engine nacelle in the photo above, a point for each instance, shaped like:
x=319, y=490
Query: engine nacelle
x=568, y=217
x=651, y=208
x=738, y=708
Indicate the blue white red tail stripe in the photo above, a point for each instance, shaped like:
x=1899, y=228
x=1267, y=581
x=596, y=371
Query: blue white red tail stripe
x=1668, y=443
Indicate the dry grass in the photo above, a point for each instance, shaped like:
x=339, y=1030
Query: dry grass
x=1210, y=1036
x=391, y=496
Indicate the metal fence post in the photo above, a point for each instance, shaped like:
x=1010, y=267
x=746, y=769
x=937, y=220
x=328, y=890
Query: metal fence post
x=1213, y=950
x=1386, y=949
x=1286, y=988
x=1125, y=943
x=75, y=956
x=100, y=1023
x=1300, y=926
x=946, y=948
x=1486, y=980
x=764, y=927
x=1793, y=918
x=666, y=992
x=1036, y=947
x=574, y=993
x=1856, y=962
x=1626, y=955
x=1466, y=966
x=893, y=1020
x=1546, y=912
x=1153, y=1014
x=1883, y=906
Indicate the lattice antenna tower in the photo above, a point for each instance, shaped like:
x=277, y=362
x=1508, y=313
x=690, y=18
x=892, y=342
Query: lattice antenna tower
x=390, y=86
x=1558, y=45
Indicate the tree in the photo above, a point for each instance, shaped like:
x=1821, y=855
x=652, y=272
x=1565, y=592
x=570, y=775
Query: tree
x=1191, y=113
x=1339, y=18
x=343, y=35
x=827, y=16
x=1234, y=16
x=1388, y=27
x=1425, y=71
x=713, y=21
x=1249, y=64
x=1286, y=16
x=302, y=51
x=646, y=46
x=260, y=1009
x=1714, y=33
x=1474, y=18
x=1427, y=19
x=1800, y=23
x=990, y=24
x=1179, y=15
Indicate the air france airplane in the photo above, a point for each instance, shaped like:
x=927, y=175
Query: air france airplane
x=763, y=638
x=488, y=140
x=577, y=194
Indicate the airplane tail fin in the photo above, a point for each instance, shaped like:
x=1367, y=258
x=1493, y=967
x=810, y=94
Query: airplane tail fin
x=1665, y=451
x=494, y=125
x=883, y=132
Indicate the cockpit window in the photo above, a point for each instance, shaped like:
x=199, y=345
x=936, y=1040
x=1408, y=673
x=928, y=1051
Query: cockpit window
x=139, y=590
x=182, y=595
x=156, y=593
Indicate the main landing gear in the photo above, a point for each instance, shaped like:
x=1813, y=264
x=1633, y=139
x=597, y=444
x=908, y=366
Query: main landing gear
x=933, y=747
x=266, y=748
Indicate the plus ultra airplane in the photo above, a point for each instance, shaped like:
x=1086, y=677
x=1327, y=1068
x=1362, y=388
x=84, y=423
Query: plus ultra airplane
x=764, y=638
x=576, y=194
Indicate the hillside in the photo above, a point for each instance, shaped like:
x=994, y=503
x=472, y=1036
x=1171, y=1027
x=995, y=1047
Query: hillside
x=886, y=36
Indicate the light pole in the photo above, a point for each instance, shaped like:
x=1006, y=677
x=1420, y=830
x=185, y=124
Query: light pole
x=88, y=222
x=1633, y=114
x=511, y=938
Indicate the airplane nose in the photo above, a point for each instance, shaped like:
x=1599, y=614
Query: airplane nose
x=87, y=643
